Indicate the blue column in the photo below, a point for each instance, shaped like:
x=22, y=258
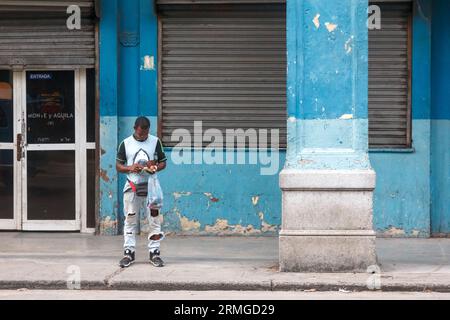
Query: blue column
x=440, y=118
x=128, y=89
x=108, y=207
x=327, y=84
x=327, y=181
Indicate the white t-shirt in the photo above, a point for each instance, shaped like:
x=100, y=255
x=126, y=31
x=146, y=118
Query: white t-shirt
x=132, y=151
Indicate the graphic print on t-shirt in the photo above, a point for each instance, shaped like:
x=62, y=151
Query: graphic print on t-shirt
x=141, y=157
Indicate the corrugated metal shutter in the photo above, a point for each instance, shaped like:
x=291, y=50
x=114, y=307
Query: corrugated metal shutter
x=34, y=34
x=225, y=66
x=389, y=78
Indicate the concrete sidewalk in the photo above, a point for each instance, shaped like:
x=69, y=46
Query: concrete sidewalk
x=46, y=260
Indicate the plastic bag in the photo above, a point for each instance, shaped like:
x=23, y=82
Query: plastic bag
x=155, y=194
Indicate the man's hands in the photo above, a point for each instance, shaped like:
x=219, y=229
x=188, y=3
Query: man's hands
x=152, y=166
x=135, y=168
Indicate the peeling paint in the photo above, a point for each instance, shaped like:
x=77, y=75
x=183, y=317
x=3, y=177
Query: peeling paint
x=108, y=226
x=415, y=233
x=221, y=225
x=188, y=225
x=178, y=195
x=346, y=117
x=330, y=26
x=348, y=45
x=249, y=230
x=394, y=232
x=265, y=227
x=316, y=21
x=148, y=63
x=210, y=196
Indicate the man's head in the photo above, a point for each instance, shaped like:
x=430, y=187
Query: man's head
x=141, y=128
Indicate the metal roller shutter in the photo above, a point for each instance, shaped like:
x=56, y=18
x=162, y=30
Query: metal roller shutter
x=223, y=65
x=389, y=77
x=33, y=34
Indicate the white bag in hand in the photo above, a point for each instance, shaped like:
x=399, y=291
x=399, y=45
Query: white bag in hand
x=155, y=194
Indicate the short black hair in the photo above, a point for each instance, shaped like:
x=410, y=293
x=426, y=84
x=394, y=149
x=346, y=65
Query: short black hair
x=142, y=122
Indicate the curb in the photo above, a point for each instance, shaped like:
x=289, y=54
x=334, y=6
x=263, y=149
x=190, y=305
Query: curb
x=223, y=286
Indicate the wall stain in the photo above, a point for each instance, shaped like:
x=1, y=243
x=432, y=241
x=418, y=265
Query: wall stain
x=104, y=175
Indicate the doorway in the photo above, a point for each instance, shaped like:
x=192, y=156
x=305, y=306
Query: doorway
x=47, y=147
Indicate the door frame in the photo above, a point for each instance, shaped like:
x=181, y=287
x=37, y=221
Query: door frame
x=20, y=221
x=16, y=222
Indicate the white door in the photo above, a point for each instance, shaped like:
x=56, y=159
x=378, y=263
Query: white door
x=9, y=216
x=49, y=152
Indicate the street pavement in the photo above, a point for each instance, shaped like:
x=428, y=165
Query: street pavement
x=58, y=261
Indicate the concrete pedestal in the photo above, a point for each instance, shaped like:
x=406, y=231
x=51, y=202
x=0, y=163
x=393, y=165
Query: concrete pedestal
x=327, y=221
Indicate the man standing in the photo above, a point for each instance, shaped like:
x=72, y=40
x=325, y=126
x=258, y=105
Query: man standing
x=138, y=156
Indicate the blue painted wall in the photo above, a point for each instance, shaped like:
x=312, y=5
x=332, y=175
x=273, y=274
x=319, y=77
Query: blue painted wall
x=440, y=115
x=413, y=188
x=221, y=199
x=215, y=199
x=236, y=199
x=402, y=202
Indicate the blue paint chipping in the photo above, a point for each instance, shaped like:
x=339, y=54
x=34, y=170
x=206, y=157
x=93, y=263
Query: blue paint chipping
x=206, y=193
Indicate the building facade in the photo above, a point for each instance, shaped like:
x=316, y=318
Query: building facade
x=340, y=95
